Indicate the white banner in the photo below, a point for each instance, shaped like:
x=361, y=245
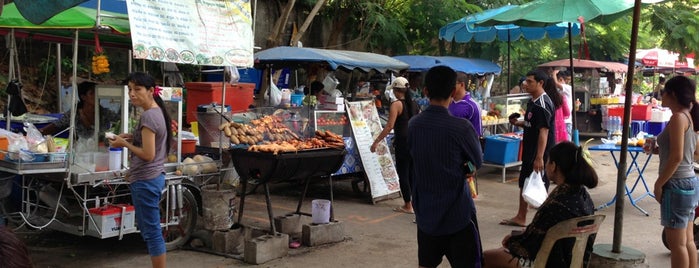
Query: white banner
x=201, y=32
x=379, y=167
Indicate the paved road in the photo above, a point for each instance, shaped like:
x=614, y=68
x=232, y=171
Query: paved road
x=376, y=236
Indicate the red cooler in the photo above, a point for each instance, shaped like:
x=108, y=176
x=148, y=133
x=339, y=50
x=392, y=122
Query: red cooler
x=239, y=96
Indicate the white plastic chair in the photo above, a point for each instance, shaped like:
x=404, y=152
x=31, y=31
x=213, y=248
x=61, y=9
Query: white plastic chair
x=566, y=229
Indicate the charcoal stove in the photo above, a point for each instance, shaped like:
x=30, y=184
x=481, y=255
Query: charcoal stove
x=262, y=168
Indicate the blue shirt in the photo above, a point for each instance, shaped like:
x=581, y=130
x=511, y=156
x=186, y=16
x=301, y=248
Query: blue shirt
x=468, y=109
x=440, y=145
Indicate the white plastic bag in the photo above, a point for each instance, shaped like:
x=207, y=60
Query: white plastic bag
x=275, y=95
x=534, y=191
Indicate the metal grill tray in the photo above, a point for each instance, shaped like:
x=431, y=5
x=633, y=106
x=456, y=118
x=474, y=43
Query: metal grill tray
x=268, y=167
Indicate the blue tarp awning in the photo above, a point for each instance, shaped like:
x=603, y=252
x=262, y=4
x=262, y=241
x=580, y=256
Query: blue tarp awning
x=345, y=59
x=420, y=63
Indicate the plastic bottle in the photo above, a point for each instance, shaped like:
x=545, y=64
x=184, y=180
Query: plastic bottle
x=115, y=158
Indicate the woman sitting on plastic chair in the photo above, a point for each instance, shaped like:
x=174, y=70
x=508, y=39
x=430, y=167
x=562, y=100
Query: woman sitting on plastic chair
x=569, y=168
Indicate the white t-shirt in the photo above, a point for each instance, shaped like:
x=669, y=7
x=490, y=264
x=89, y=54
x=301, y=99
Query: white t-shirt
x=566, y=92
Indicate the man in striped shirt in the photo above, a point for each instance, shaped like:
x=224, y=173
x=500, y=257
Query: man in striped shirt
x=442, y=146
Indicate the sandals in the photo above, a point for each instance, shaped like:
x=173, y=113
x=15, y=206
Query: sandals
x=402, y=210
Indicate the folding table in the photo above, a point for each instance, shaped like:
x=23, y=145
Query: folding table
x=633, y=152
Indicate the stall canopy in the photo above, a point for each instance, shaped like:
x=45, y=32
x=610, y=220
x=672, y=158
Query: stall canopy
x=420, y=63
x=335, y=59
x=615, y=67
x=661, y=59
x=59, y=28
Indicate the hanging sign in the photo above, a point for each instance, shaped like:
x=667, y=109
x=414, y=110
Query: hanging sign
x=379, y=166
x=201, y=32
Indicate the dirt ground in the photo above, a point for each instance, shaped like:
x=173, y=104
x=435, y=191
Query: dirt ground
x=375, y=235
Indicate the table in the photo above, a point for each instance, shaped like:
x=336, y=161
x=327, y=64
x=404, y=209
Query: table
x=633, y=152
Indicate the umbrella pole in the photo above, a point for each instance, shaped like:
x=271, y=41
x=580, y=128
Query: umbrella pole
x=621, y=171
x=575, y=135
x=509, y=71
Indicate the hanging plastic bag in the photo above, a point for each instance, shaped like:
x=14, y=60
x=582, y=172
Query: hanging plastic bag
x=534, y=191
x=275, y=95
x=472, y=187
x=232, y=74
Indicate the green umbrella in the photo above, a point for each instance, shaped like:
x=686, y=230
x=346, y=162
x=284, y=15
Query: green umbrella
x=548, y=12
x=73, y=18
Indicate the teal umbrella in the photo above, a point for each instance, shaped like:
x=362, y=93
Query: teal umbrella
x=548, y=12
x=540, y=13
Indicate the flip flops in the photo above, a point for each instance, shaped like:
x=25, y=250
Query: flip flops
x=402, y=210
x=509, y=222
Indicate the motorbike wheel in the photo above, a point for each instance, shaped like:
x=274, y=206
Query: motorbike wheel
x=696, y=237
x=177, y=235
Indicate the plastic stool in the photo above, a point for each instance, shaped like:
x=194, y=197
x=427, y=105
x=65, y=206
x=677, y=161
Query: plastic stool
x=638, y=126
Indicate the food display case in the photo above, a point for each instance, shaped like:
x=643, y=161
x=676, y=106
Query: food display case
x=497, y=109
x=337, y=122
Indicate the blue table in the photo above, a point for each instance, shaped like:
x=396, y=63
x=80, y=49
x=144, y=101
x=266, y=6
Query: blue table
x=634, y=152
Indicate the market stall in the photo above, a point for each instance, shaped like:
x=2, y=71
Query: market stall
x=83, y=192
x=331, y=113
x=598, y=88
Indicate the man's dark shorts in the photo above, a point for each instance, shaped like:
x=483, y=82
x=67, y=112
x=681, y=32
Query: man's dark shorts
x=461, y=248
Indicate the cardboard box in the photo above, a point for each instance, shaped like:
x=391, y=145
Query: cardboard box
x=109, y=219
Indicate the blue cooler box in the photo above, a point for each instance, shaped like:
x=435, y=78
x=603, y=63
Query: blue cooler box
x=501, y=150
x=655, y=128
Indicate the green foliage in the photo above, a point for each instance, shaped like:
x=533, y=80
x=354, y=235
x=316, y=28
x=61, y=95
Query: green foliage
x=677, y=23
x=48, y=66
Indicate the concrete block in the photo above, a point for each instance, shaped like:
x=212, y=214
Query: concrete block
x=602, y=256
x=265, y=248
x=319, y=234
x=229, y=241
x=292, y=224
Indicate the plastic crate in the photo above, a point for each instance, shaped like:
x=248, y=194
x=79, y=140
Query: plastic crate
x=616, y=111
x=501, y=150
x=641, y=112
x=655, y=128
x=239, y=96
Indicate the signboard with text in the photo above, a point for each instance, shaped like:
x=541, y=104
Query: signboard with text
x=200, y=32
x=379, y=167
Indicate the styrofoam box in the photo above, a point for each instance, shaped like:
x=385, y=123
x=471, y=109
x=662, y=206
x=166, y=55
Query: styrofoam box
x=660, y=115
x=334, y=107
x=331, y=99
x=108, y=219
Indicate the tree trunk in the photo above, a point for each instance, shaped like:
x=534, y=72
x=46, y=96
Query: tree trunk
x=273, y=39
x=338, y=28
x=314, y=11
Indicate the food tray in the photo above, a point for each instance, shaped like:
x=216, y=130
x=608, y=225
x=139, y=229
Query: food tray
x=266, y=167
x=31, y=165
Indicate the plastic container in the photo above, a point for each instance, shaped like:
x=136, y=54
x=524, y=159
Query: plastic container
x=296, y=100
x=320, y=211
x=501, y=150
x=115, y=158
x=188, y=146
x=654, y=128
x=616, y=111
x=641, y=112
x=101, y=160
x=239, y=96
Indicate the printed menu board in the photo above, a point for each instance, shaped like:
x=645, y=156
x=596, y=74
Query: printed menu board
x=379, y=166
x=201, y=32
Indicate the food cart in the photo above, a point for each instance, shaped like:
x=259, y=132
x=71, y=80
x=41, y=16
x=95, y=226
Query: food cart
x=73, y=191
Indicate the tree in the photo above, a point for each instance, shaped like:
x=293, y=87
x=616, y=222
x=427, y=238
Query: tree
x=677, y=22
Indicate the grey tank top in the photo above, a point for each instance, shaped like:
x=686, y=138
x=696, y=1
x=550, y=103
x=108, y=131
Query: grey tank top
x=685, y=169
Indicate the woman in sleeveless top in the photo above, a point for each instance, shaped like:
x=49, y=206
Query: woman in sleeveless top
x=399, y=114
x=677, y=187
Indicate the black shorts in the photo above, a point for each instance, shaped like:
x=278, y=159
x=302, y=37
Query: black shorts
x=461, y=248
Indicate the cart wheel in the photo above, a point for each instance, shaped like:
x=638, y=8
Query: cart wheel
x=176, y=235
